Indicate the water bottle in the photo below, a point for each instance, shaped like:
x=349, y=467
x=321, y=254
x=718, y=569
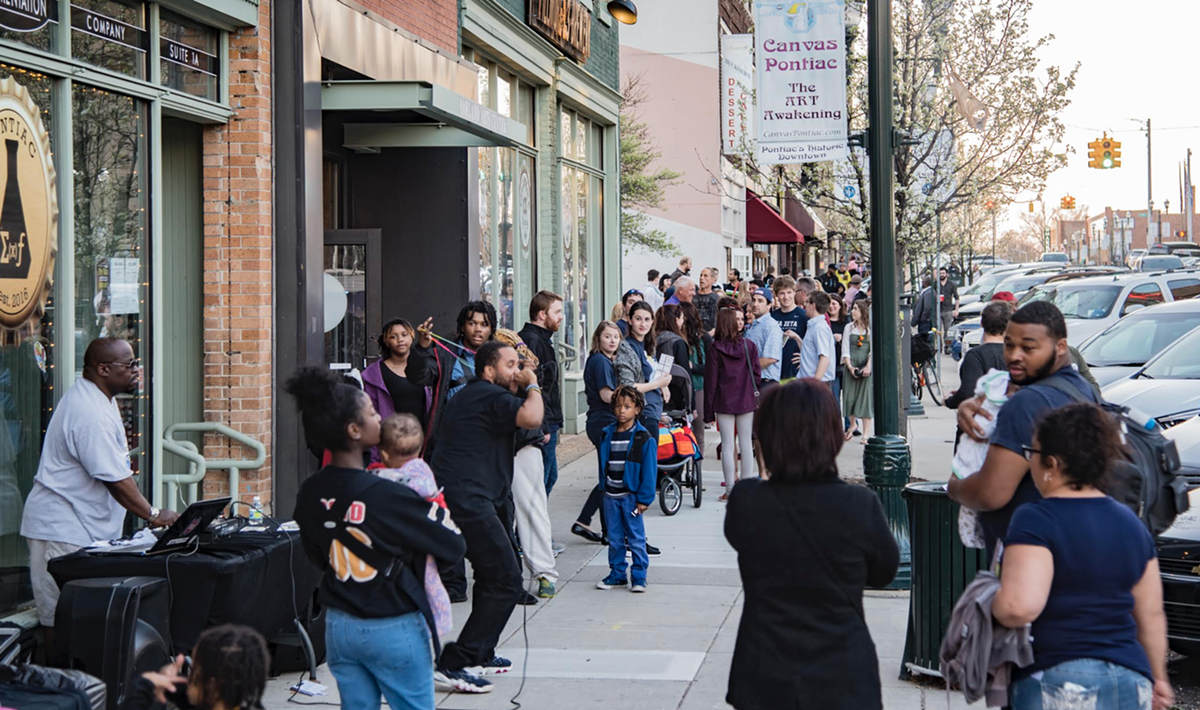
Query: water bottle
x=1143, y=420
x=256, y=512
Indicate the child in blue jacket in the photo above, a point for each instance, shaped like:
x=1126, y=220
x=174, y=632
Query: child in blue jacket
x=628, y=477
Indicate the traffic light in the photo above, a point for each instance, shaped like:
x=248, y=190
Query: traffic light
x=1104, y=154
x=1030, y=208
x=990, y=204
x=1067, y=203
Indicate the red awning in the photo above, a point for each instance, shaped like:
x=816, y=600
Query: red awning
x=765, y=226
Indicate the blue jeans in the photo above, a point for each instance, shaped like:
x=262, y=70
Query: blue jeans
x=550, y=460
x=626, y=529
x=1083, y=683
x=392, y=656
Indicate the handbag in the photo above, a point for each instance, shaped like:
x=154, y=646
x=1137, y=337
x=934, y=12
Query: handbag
x=750, y=366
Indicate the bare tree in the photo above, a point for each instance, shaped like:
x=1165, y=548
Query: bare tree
x=641, y=185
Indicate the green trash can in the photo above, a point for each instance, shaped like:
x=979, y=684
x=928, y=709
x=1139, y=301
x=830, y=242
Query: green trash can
x=941, y=568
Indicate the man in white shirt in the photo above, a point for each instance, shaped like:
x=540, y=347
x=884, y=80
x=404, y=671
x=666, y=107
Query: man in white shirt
x=84, y=482
x=817, y=352
x=650, y=292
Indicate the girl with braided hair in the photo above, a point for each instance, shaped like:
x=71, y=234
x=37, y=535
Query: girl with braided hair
x=529, y=489
x=230, y=667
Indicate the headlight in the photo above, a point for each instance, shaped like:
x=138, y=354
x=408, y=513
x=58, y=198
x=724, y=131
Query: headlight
x=1169, y=420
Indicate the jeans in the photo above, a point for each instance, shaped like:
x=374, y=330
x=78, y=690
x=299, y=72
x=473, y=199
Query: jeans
x=392, y=656
x=626, y=529
x=837, y=395
x=550, y=461
x=487, y=530
x=1083, y=684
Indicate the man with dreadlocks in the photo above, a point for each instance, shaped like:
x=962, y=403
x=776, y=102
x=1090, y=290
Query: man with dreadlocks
x=230, y=666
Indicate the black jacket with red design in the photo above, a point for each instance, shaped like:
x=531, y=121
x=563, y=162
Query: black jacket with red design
x=389, y=517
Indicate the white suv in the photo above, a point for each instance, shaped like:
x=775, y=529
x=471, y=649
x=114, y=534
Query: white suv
x=1092, y=304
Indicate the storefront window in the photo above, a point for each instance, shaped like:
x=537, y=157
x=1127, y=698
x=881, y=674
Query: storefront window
x=110, y=34
x=496, y=230
x=111, y=254
x=188, y=56
x=582, y=228
x=26, y=403
x=29, y=23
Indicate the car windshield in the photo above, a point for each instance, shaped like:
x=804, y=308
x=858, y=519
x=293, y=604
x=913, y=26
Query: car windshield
x=1020, y=284
x=984, y=284
x=1178, y=361
x=1134, y=340
x=1055, y=257
x=1155, y=263
x=1084, y=302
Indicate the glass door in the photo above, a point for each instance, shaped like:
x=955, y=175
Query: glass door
x=352, y=282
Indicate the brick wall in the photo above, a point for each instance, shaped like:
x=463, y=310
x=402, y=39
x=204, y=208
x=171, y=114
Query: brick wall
x=603, y=61
x=433, y=20
x=237, y=261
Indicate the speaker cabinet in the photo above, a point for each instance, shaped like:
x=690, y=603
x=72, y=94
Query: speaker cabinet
x=114, y=628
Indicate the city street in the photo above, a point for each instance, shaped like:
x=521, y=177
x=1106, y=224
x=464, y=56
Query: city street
x=671, y=647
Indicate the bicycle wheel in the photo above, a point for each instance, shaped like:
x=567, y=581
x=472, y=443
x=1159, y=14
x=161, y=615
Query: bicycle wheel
x=933, y=384
x=670, y=497
x=697, y=483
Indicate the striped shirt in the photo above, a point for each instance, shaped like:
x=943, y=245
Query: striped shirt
x=614, y=475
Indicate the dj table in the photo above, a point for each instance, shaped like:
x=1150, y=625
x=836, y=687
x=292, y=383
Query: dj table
x=244, y=579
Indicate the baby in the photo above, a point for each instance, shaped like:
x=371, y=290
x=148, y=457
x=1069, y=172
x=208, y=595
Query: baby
x=400, y=442
x=968, y=459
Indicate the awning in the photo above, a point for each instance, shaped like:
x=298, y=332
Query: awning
x=765, y=226
x=415, y=114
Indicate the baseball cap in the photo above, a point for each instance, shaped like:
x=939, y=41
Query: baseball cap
x=765, y=293
x=856, y=279
x=1004, y=296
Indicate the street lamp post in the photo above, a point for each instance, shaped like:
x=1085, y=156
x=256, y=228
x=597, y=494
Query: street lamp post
x=887, y=461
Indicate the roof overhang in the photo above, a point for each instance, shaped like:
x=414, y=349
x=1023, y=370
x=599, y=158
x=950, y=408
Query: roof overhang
x=765, y=226
x=416, y=114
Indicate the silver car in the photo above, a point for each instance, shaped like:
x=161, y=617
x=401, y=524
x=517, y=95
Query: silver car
x=1167, y=388
x=1121, y=349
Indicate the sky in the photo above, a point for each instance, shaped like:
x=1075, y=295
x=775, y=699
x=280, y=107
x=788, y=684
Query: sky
x=1136, y=61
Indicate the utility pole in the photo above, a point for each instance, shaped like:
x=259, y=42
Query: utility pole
x=887, y=461
x=1149, y=187
x=993, y=236
x=1189, y=199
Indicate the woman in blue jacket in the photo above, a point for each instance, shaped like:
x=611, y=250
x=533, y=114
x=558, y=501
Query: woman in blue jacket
x=628, y=476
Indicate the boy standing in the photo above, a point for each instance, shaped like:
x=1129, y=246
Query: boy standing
x=628, y=476
x=793, y=321
x=817, y=352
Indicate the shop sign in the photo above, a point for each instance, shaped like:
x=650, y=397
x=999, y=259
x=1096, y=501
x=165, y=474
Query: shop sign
x=481, y=116
x=566, y=23
x=737, y=101
x=27, y=15
x=187, y=56
x=107, y=28
x=800, y=52
x=525, y=206
x=28, y=212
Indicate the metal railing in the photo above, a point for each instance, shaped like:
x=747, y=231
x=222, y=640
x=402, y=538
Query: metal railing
x=198, y=466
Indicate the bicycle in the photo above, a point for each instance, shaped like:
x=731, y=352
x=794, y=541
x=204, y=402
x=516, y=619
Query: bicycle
x=924, y=368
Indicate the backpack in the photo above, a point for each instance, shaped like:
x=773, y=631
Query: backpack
x=1148, y=480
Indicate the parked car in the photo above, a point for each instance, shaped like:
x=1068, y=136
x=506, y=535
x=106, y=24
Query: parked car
x=1178, y=563
x=1159, y=262
x=1134, y=255
x=1057, y=257
x=1122, y=348
x=1091, y=305
x=1016, y=281
x=1167, y=388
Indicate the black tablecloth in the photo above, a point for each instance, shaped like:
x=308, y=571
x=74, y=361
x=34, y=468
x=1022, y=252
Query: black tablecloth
x=240, y=580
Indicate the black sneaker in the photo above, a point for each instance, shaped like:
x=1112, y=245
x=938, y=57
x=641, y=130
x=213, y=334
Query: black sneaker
x=456, y=596
x=462, y=681
x=585, y=532
x=498, y=664
x=527, y=599
x=653, y=551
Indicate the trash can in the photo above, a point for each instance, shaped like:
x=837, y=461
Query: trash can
x=886, y=466
x=941, y=568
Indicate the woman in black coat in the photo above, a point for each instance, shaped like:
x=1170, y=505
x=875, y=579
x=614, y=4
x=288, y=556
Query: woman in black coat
x=807, y=544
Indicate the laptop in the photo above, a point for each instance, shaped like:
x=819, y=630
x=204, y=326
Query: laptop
x=183, y=532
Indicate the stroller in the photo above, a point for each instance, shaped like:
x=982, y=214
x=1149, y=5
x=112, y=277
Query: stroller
x=678, y=455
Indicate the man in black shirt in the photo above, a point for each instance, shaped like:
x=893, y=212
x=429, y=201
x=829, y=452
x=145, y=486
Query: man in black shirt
x=706, y=299
x=988, y=356
x=545, y=318
x=474, y=464
x=948, y=293
x=829, y=281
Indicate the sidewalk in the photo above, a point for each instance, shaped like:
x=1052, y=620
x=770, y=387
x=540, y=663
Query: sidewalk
x=671, y=647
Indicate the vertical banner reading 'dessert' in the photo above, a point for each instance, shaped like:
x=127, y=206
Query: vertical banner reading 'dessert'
x=737, y=87
x=801, y=72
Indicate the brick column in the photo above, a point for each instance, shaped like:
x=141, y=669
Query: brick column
x=237, y=261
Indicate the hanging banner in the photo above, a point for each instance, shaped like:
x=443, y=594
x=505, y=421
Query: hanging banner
x=801, y=80
x=737, y=101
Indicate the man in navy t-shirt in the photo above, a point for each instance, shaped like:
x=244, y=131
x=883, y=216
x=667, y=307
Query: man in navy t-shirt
x=1035, y=348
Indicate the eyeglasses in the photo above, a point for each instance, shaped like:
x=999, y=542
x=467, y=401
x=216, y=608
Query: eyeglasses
x=1029, y=451
x=131, y=365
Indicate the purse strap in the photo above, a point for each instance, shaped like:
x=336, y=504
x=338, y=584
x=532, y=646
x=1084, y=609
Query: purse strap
x=750, y=366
